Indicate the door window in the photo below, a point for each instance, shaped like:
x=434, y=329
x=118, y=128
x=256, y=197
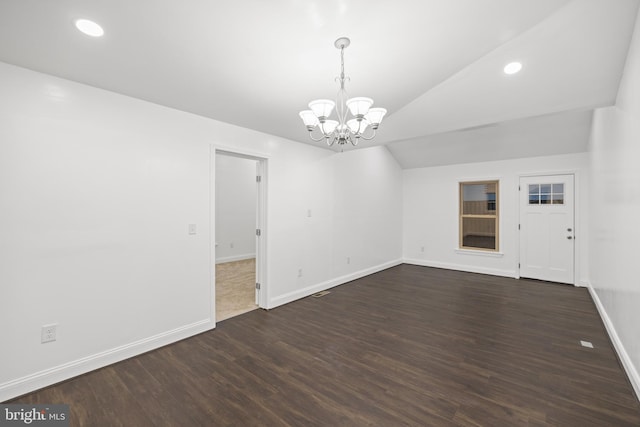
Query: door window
x=546, y=194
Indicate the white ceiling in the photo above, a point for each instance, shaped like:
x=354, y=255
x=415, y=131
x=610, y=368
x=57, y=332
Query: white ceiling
x=436, y=65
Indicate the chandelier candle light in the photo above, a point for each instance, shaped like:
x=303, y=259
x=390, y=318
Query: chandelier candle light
x=342, y=130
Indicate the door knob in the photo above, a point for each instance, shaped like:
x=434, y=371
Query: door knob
x=568, y=229
x=569, y=237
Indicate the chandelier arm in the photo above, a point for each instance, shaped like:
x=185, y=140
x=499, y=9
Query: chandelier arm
x=316, y=140
x=360, y=132
x=373, y=134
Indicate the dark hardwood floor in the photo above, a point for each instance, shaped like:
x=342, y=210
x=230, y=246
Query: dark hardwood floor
x=410, y=345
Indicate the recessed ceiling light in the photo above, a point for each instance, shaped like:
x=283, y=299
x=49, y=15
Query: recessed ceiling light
x=90, y=28
x=512, y=68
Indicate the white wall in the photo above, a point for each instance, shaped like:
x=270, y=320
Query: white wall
x=98, y=190
x=615, y=209
x=235, y=208
x=430, y=213
x=354, y=202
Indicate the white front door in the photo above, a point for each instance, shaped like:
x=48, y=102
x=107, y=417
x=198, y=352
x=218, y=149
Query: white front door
x=547, y=231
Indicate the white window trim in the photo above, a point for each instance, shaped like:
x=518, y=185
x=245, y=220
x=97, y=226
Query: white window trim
x=479, y=252
x=467, y=251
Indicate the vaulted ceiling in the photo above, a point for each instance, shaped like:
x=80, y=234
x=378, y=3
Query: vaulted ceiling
x=436, y=65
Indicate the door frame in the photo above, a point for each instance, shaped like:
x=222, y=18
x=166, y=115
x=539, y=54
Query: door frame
x=261, y=221
x=577, y=219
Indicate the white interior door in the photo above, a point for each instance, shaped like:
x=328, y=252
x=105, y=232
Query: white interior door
x=547, y=231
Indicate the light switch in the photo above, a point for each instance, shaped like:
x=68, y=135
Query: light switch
x=192, y=229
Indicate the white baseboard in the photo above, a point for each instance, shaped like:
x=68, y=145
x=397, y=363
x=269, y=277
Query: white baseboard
x=233, y=258
x=310, y=290
x=627, y=364
x=29, y=383
x=461, y=267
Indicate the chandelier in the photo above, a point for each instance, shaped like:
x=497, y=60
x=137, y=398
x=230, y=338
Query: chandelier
x=343, y=131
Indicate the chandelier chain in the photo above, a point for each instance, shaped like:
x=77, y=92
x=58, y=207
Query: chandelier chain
x=342, y=67
x=340, y=107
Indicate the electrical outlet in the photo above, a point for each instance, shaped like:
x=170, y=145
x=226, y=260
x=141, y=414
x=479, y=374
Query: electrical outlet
x=348, y=260
x=192, y=229
x=231, y=245
x=299, y=272
x=422, y=249
x=48, y=333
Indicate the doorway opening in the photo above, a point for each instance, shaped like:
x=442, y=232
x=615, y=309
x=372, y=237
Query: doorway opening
x=238, y=228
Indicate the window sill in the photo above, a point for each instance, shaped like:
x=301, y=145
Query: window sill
x=479, y=253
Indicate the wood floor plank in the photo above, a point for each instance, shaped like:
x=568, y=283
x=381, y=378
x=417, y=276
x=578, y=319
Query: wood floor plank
x=409, y=346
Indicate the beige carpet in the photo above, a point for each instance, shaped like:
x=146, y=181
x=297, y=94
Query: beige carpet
x=235, y=288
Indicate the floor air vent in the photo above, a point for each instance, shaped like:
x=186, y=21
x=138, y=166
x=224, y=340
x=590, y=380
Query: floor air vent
x=320, y=294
